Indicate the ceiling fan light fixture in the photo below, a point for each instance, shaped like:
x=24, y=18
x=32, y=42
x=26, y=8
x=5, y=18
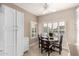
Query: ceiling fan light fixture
x=45, y=6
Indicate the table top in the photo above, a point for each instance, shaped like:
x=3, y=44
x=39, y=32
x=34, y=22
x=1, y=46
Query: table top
x=51, y=39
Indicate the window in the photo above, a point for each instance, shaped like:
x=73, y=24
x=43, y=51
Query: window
x=50, y=27
x=45, y=28
x=61, y=27
x=57, y=28
x=33, y=29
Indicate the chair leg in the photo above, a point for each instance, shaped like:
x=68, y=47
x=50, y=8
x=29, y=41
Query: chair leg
x=48, y=53
x=60, y=50
x=41, y=50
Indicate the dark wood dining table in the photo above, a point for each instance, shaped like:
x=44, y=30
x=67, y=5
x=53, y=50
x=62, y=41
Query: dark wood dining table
x=51, y=40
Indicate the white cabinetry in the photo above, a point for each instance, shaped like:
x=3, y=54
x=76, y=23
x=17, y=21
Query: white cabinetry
x=26, y=46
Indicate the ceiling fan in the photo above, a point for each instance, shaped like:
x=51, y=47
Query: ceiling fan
x=45, y=6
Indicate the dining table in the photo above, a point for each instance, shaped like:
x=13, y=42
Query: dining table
x=51, y=40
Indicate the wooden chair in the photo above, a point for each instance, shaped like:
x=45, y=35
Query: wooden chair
x=46, y=46
x=39, y=38
x=51, y=36
x=58, y=44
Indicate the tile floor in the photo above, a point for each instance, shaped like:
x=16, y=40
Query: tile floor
x=35, y=51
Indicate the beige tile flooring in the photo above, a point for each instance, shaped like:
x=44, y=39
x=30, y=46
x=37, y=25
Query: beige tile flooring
x=35, y=51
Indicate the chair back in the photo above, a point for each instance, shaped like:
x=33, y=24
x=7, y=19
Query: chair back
x=39, y=38
x=51, y=34
x=44, y=43
x=61, y=39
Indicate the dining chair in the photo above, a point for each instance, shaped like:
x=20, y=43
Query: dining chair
x=39, y=38
x=51, y=36
x=45, y=46
x=58, y=44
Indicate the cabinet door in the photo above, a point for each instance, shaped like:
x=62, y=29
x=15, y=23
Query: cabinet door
x=10, y=39
x=20, y=33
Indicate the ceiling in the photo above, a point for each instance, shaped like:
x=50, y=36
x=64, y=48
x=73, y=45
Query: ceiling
x=38, y=9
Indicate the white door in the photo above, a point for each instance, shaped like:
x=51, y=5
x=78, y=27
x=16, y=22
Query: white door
x=20, y=33
x=10, y=39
